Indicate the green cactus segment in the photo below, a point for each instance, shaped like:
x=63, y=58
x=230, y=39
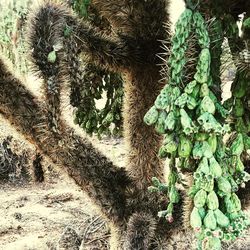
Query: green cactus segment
x=151, y=116
x=194, y=121
x=210, y=220
x=246, y=23
x=81, y=7
x=212, y=243
x=212, y=201
x=89, y=84
x=185, y=146
x=200, y=198
x=237, y=146
x=52, y=56
x=221, y=219
x=195, y=219
x=168, y=189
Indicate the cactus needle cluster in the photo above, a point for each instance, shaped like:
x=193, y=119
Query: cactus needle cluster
x=193, y=121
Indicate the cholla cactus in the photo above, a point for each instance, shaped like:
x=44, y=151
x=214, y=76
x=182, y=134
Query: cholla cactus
x=194, y=123
x=188, y=112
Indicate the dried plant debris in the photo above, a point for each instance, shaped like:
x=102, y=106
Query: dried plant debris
x=13, y=164
x=69, y=240
x=57, y=198
x=95, y=234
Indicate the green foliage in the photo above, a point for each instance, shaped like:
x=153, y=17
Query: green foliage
x=12, y=34
x=81, y=7
x=246, y=23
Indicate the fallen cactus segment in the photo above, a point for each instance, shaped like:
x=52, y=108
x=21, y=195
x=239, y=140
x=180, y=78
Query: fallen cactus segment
x=193, y=121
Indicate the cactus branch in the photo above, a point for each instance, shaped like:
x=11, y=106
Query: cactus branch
x=105, y=183
x=53, y=22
